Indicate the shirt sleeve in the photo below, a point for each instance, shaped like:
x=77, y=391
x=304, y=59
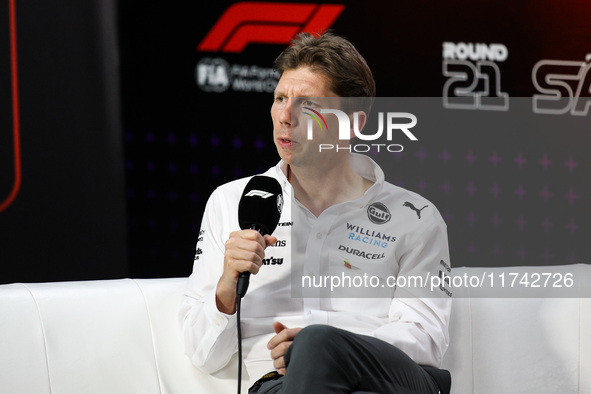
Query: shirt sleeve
x=209, y=335
x=419, y=315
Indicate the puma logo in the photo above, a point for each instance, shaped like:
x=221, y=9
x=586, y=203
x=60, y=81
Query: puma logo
x=418, y=211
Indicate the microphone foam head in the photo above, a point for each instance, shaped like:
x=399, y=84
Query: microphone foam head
x=260, y=205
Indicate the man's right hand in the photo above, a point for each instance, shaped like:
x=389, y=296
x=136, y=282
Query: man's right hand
x=245, y=250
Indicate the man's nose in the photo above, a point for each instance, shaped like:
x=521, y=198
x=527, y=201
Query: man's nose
x=286, y=115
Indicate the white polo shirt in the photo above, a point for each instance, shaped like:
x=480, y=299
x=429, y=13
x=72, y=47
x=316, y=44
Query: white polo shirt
x=382, y=249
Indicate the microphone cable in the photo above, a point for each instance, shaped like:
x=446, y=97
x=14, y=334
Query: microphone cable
x=238, y=302
x=256, y=211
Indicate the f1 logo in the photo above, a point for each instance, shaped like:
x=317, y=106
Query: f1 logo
x=258, y=193
x=267, y=23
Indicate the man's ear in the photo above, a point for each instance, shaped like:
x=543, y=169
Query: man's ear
x=361, y=121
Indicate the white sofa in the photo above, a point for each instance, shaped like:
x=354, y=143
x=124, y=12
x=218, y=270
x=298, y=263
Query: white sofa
x=122, y=336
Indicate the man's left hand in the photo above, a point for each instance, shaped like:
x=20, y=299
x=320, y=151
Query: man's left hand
x=279, y=344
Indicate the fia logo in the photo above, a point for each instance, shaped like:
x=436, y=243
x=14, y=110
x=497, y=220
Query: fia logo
x=213, y=75
x=564, y=85
x=473, y=76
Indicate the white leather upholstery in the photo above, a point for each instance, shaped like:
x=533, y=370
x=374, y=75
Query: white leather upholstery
x=122, y=336
x=522, y=345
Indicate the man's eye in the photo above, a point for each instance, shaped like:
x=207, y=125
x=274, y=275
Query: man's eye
x=308, y=103
x=279, y=99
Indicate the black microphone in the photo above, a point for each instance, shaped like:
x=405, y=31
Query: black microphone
x=259, y=209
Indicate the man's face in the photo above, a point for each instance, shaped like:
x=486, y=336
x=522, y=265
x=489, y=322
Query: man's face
x=298, y=88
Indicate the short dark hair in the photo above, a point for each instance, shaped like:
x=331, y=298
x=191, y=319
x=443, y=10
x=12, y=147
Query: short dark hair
x=336, y=58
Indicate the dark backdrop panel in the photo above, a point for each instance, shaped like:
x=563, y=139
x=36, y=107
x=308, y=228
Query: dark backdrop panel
x=195, y=118
x=68, y=219
x=180, y=141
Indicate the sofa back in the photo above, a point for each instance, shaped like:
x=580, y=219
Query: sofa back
x=122, y=336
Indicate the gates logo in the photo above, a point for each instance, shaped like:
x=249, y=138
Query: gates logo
x=565, y=86
x=267, y=23
x=474, y=77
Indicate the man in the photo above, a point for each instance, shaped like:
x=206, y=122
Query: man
x=355, y=344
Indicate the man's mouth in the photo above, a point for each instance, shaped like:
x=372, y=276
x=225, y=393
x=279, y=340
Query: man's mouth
x=285, y=141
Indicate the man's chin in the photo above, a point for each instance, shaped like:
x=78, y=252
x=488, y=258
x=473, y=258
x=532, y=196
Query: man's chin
x=285, y=155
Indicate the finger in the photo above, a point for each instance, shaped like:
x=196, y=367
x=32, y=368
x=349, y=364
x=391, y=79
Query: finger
x=278, y=327
x=284, y=335
x=239, y=254
x=279, y=350
x=252, y=235
x=270, y=240
x=277, y=339
x=246, y=238
x=279, y=363
x=241, y=260
x=244, y=252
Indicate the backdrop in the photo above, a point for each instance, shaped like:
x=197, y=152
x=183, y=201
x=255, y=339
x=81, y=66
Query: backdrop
x=501, y=152
x=62, y=201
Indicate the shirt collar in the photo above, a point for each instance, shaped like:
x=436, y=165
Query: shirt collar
x=363, y=165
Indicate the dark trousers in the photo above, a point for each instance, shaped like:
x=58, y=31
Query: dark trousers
x=325, y=359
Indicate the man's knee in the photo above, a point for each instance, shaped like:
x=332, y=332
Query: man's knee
x=317, y=336
x=317, y=339
x=315, y=344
